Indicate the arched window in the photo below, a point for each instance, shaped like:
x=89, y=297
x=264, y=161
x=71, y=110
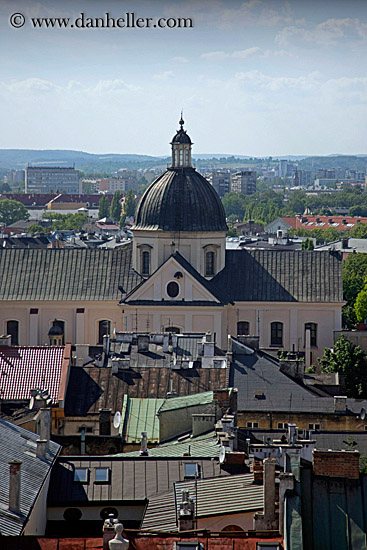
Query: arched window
x=173, y=289
x=313, y=332
x=145, y=262
x=104, y=328
x=209, y=264
x=12, y=329
x=276, y=334
x=243, y=328
x=173, y=330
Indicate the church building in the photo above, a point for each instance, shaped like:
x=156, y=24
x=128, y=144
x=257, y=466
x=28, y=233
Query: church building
x=177, y=276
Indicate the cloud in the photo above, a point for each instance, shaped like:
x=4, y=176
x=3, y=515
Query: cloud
x=165, y=75
x=242, y=54
x=180, y=59
x=329, y=32
x=277, y=83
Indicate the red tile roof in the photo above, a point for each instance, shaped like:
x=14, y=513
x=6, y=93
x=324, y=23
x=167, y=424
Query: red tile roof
x=25, y=368
x=341, y=223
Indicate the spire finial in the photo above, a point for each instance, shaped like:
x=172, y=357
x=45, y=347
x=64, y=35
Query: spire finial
x=181, y=122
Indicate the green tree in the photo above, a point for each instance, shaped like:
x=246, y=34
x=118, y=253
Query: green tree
x=115, y=210
x=12, y=211
x=71, y=222
x=103, y=207
x=307, y=244
x=359, y=231
x=349, y=360
x=234, y=203
x=360, y=306
x=129, y=207
x=36, y=229
x=5, y=188
x=232, y=232
x=354, y=274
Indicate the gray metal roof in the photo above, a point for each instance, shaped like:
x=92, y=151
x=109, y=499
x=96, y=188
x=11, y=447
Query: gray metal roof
x=65, y=274
x=131, y=478
x=284, y=276
x=215, y=496
x=260, y=373
x=202, y=446
x=19, y=444
x=186, y=401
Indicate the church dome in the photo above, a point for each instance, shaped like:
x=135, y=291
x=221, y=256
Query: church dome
x=181, y=137
x=180, y=199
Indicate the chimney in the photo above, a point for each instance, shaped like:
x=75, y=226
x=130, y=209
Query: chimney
x=202, y=423
x=41, y=447
x=294, y=368
x=268, y=520
x=144, y=444
x=44, y=423
x=292, y=434
x=186, y=520
x=5, y=340
x=14, y=486
x=340, y=404
x=336, y=463
x=104, y=421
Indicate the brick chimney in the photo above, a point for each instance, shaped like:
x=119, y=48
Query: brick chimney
x=14, y=486
x=336, y=463
x=268, y=520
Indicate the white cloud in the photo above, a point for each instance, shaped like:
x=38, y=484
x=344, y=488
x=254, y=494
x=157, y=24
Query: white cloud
x=180, y=59
x=329, y=32
x=165, y=75
x=243, y=54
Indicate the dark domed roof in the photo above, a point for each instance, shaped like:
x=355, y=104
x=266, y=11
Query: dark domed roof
x=55, y=330
x=181, y=137
x=180, y=199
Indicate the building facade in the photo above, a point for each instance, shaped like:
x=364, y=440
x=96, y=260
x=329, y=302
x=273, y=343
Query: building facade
x=176, y=277
x=42, y=179
x=244, y=182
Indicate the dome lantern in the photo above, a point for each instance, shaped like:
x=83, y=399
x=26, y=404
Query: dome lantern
x=181, y=148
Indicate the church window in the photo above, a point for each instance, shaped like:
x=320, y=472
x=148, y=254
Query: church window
x=209, y=264
x=12, y=329
x=173, y=289
x=104, y=328
x=276, y=334
x=181, y=157
x=145, y=263
x=243, y=328
x=313, y=330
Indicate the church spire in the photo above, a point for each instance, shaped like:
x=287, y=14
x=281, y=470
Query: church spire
x=181, y=147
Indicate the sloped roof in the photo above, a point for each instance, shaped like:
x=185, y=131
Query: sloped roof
x=132, y=478
x=202, y=446
x=213, y=497
x=281, y=276
x=25, y=368
x=71, y=274
x=140, y=415
x=186, y=401
x=19, y=444
x=103, y=389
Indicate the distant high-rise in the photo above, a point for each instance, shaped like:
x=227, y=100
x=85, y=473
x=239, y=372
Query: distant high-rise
x=221, y=181
x=244, y=182
x=283, y=168
x=43, y=179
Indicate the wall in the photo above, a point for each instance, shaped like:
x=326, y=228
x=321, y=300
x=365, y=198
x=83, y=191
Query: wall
x=36, y=524
x=269, y=420
x=179, y=421
x=217, y=523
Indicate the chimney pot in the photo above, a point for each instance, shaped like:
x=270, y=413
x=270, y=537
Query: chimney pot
x=14, y=486
x=41, y=448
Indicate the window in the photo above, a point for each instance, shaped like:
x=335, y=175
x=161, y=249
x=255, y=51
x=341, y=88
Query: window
x=102, y=475
x=188, y=546
x=252, y=424
x=173, y=289
x=104, y=328
x=268, y=546
x=72, y=514
x=282, y=425
x=191, y=470
x=173, y=330
x=313, y=331
x=243, y=328
x=276, y=334
x=12, y=329
x=209, y=264
x=145, y=262
x=81, y=475
x=314, y=426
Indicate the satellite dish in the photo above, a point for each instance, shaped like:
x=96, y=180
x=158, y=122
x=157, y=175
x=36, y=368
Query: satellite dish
x=363, y=413
x=222, y=455
x=117, y=420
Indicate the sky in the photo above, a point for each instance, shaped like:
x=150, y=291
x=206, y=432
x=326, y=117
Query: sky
x=254, y=77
